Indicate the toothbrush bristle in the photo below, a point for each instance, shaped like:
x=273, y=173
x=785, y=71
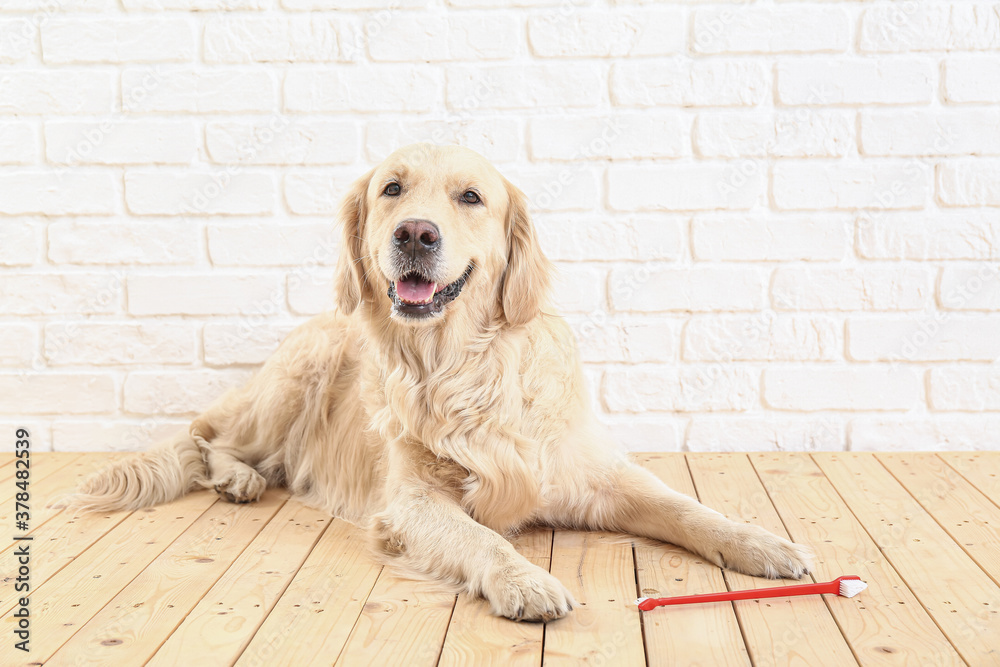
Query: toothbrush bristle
x=851, y=587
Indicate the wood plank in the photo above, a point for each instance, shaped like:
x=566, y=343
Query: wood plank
x=226, y=619
x=130, y=628
x=403, y=620
x=886, y=624
x=969, y=517
x=42, y=467
x=981, y=469
x=778, y=631
x=7, y=468
x=477, y=637
x=313, y=618
x=960, y=597
x=61, y=605
x=604, y=628
x=59, y=537
x=705, y=634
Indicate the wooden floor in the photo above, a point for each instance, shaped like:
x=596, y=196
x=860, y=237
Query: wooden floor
x=204, y=582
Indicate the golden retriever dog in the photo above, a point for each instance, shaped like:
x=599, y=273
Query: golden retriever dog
x=441, y=405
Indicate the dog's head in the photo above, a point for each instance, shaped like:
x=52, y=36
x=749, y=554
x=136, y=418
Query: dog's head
x=437, y=229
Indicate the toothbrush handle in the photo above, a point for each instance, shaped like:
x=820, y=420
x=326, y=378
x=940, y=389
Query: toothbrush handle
x=752, y=594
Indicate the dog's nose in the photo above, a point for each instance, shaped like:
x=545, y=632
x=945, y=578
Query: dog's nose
x=416, y=236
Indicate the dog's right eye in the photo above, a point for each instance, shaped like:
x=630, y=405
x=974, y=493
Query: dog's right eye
x=392, y=189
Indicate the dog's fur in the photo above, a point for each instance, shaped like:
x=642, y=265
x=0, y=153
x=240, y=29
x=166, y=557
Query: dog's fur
x=440, y=434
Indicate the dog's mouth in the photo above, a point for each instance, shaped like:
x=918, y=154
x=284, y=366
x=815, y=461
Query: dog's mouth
x=416, y=297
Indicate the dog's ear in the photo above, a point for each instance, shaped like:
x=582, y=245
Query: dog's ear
x=526, y=279
x=351, y=285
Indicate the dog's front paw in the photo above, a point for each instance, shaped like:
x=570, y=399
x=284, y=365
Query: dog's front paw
x=527, y=593
x=240, y=485
x=752, y=550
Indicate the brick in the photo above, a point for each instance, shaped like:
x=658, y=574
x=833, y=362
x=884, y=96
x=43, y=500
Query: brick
x=965, y=388
x=179, y=392
x=678, y=82
x=626, y=136
x=195, y=5
x=58, y=91
x=117, y=141
x=20, y=244
x=935, y=337
x=840, y=288
x=757, y=433
x=497, y=3
x=645, y=433
x=800, y=133
x=18, y=143
x=381, y=17
x=202, y=294
x=645, y=289
x=854, y=81
x=17, y=39
x=82, y=242
x=625, y=338
x=18, y=344
x=923, y=236
x=248, y=39
x=924, y=133
x=971, y=79
x=270, y=244
x=558, y=187
x=966, y=434
x=401, y=88
x=863, y=389
x=219, y=192
x=527, y=86
x=970, y=287
x=437, y=37
x=317, y=192
x=686, y=187
x=64, y=5
x=49, y=294
x=64, y=192
x=970, y=182
x=771, y=30
x=244, y=343
x=310, y=294
x=737, y=237
x=497, y=139
x=118, y=435
x=707, y=388
x=930, y=27
x=578, y=289
x=41, y=440
x=883, y=184
x=57, y=393
x=761, y=337
x=118, y=343
x=601, y=240
x=111, y=40
x=184, y=89
x=606, y=34
x=281, y=140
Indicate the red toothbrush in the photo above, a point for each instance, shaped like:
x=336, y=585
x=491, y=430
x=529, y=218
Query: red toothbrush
x=848, y=586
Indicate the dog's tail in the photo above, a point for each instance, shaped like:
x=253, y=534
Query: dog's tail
x=164, y=473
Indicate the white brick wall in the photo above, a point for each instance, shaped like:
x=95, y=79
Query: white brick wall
x=776, y=224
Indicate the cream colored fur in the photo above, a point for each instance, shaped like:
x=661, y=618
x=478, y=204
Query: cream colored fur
x=438, y=436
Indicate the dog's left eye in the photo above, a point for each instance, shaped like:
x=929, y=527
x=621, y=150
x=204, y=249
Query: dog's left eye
x=470, y=197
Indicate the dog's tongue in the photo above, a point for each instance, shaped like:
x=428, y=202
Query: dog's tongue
x=415, y=290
